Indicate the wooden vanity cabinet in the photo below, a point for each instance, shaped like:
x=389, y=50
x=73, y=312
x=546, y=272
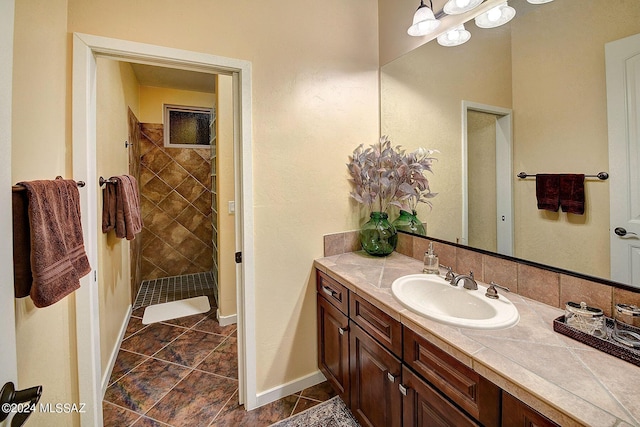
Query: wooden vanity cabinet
x=469, y=390
x=517, y=413
x=333, y=336
x=423, y=406
x=390, y=376
x=375, y=376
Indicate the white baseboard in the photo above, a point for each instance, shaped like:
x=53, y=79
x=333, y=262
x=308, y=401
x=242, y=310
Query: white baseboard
x=285, y=390
x=226, y=320
x=114, y=353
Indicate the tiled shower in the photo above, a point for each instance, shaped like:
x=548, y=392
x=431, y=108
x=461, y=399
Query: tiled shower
x=176, y=207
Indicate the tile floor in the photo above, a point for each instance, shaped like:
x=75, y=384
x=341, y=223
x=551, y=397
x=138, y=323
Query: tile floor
x=173, y=288
x=183, y=372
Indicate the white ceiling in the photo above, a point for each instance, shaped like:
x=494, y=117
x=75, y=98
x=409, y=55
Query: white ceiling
x=149, y=75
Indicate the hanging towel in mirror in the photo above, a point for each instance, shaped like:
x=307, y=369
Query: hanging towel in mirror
x=572, y=193
x=58, y=257
x=121, y=207
x=548, y=191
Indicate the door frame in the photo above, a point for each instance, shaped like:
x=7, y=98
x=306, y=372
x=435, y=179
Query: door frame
x=8, y=356
x=504, y=174
x=86, y=48
x=624, y=159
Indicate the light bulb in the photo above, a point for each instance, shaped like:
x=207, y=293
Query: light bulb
x=496, y=16
x=456, y=7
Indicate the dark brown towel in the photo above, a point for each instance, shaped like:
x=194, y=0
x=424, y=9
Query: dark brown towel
x=572, y=193
x=58, y=258
x=548, y=191
x=121, y=207
x=22, y=277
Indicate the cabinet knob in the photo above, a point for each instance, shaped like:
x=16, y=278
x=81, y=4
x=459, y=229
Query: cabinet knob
x=403, y=389
x=391, y=377
x=328, y=291
x=343, y=330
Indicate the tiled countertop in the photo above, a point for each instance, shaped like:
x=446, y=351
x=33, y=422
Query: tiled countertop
x=569, y=382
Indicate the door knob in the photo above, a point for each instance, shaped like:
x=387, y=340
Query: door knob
x=620, y=231
x=22, y=400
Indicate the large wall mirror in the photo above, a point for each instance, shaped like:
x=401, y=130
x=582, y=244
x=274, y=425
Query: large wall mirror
x=529, y=96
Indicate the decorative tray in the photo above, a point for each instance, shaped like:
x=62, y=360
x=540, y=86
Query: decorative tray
x=608, y=345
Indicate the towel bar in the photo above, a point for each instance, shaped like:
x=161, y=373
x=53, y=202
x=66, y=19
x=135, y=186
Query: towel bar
x=600, y=175
x=18, y=188
x=103, y=181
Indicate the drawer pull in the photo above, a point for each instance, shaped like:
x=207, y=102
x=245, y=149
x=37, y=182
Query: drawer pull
x=391, y=377
x=403, y=389
x=343, y=330
x=327, y=290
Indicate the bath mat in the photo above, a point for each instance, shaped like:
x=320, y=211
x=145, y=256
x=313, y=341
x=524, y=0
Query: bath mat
x=174, y=309
x=332, y=413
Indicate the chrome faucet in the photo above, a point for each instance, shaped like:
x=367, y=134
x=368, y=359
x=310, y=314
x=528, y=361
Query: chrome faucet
x=468, y=282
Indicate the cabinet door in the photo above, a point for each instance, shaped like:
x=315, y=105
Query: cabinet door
x=333, y=347
x=473, y=393
x=375, y=376
x=423, y=406
x=517, y=414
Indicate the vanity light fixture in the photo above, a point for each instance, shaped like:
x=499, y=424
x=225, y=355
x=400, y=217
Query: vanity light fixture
x=424, y=21
x=496, y=16
x=456, y=7
x=454, y=37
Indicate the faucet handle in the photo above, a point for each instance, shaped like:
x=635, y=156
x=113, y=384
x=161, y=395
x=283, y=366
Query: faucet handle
x=492, y=292
x=450, y=274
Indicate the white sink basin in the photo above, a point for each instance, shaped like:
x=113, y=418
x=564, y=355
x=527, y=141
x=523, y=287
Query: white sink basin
x=433, y=297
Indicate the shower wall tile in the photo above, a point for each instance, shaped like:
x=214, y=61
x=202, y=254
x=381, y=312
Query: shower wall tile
x=176, y=207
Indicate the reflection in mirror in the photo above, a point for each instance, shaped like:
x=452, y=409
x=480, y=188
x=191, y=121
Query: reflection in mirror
x=547, y=66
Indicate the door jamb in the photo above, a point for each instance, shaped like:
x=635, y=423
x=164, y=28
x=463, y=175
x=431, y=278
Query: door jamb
x=504, y=173
x=85, y=50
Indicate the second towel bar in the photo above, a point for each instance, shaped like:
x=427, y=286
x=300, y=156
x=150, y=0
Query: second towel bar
x=600, y=175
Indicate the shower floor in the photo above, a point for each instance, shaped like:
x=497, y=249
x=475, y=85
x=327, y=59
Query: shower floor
x=167, y=289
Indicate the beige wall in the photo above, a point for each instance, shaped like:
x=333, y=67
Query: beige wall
x=152, y=99
x=226, y=230
x=46, y=346
x=117, y=91
x=315, y=98
x=421, y=103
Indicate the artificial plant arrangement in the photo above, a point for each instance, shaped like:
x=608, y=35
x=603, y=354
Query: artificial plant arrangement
x=383, y=176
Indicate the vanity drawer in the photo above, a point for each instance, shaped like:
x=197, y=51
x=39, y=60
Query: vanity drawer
x=333, y=291
x=468, y=389
x=381, y=326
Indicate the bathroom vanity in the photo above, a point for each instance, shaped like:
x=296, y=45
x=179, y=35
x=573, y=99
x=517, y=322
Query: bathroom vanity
x=393, y=367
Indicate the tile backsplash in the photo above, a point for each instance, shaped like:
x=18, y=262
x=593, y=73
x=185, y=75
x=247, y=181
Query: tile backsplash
x=541, y=284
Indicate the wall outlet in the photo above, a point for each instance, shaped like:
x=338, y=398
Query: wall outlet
x=232, y=206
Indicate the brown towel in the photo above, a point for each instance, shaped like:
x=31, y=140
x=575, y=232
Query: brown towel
x=572, y=193
x=121, y=207
x=58, y=258
x=548, y=191
x=22, y=277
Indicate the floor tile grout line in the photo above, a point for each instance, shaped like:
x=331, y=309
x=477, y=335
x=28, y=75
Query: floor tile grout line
x=223, y=406
x=292, y=409
x=169, y=391
x=127, y=409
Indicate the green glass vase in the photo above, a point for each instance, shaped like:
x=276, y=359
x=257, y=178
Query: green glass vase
x=378, y=236
x=410, y=223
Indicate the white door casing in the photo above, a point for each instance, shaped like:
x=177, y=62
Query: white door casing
x=504, y=174
x=85, y=50
x=623, y=109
